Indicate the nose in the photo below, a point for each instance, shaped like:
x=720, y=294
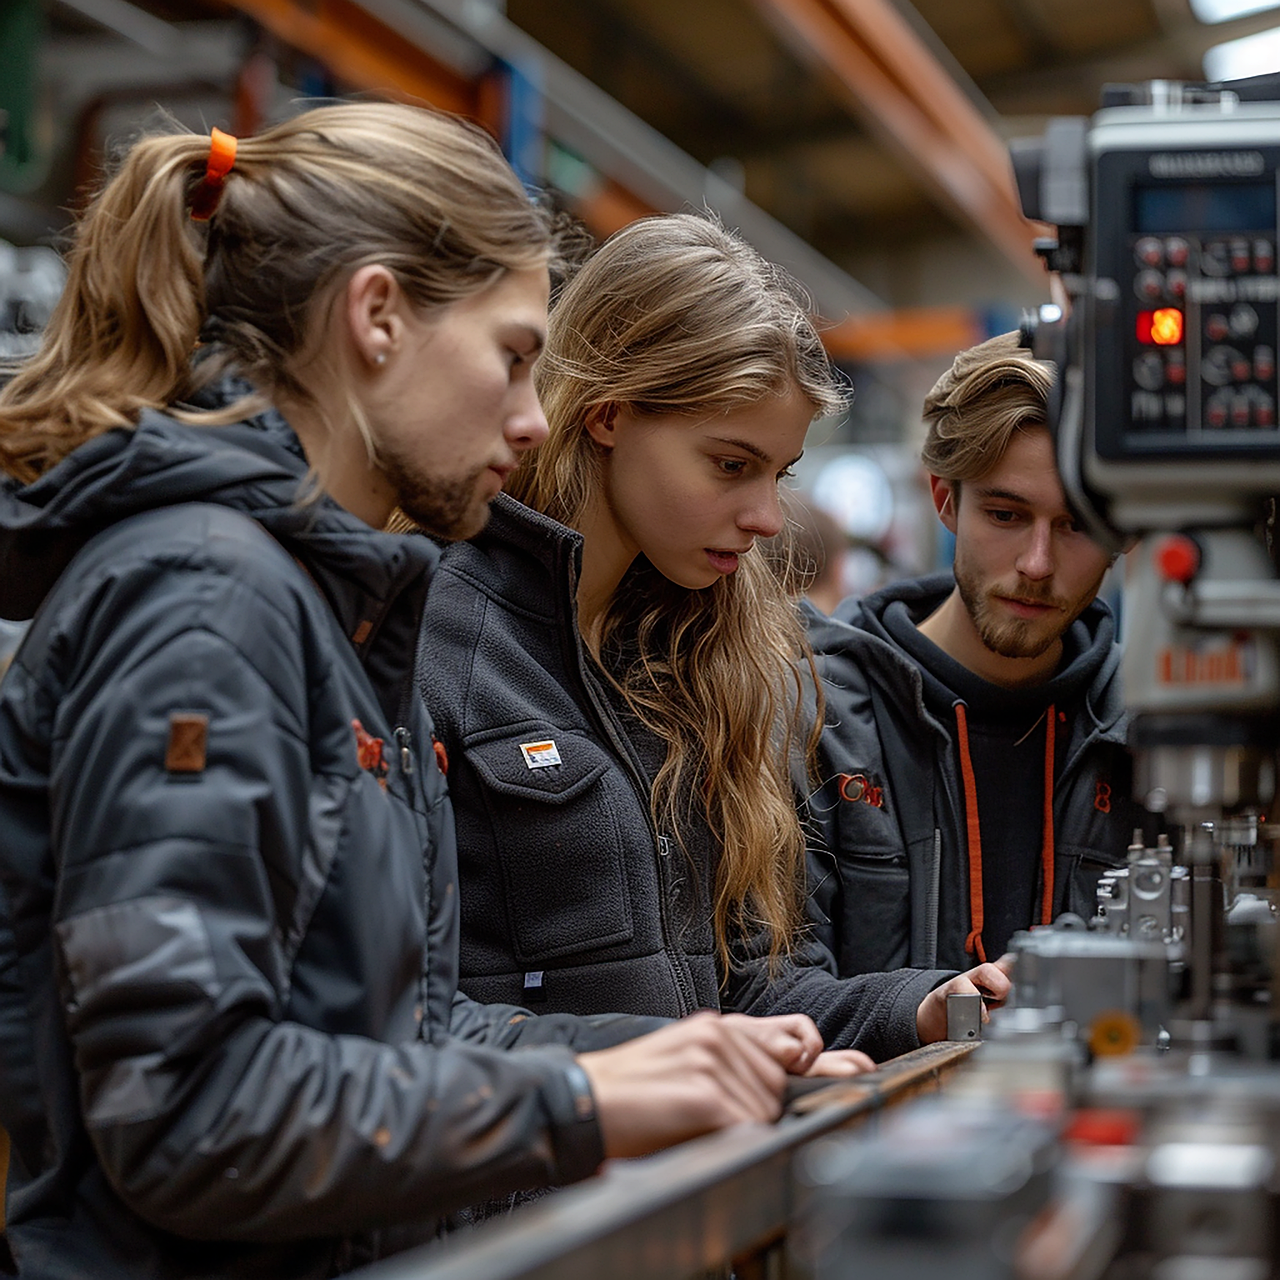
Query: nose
x=763, y=516
x=526, y=428
x=1035, y=560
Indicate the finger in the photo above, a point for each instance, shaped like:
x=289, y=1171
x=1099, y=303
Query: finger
x=838, y=1063
x=992, y=981
x=753, y=1076
x=791, y=1039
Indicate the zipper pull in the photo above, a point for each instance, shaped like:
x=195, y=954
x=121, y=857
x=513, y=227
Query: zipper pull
x=404, y=740
x=664, y=846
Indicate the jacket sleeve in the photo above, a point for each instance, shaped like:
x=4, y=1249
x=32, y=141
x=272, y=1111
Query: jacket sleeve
x=506, y=1025
x=212, y=1115
x=874, y=1012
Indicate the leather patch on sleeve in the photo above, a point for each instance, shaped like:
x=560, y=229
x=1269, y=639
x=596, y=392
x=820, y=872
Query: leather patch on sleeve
x=188, y=739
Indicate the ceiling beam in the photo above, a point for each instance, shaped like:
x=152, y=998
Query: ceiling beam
x=897, y=85
x=363, y=51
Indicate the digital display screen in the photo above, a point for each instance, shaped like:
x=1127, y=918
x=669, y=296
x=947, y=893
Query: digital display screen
x=1198, y=207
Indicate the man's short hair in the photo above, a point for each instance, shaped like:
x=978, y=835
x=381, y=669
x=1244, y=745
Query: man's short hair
x=990, y=391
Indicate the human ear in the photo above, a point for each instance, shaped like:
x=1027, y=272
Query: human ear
x=373, y=299
x=602, y=424
x=944, y=500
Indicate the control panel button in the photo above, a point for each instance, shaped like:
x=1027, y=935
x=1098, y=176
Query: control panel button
x=1264, y=364
x=1176, y=283
x=1148, y=371
x=1240, y=410
x=1214, y=259
x=1177, y=558
x=1241, y=257
x=1175, y=370
x=1216, y=408
x=1176, y=251
x=1149, y=252
x=1215, y=368
x=1264, y=257
x=1264, y=410
x=1149, y=286
x=1243, y=321
x=1216, y=326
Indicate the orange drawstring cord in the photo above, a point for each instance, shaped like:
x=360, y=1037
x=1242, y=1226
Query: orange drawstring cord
x=1046, y=846
x=973, y=943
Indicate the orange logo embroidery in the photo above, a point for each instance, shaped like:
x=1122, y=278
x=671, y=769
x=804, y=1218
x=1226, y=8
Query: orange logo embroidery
x=442, y=756
x=1102, y=797
x=857, y=788
x=369, y=753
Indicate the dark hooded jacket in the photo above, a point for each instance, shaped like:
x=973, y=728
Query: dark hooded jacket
x=230, y=1037
x=571, y=898
x=891, y=874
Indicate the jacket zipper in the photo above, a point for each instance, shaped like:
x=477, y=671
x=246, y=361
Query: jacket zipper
x=608, y=722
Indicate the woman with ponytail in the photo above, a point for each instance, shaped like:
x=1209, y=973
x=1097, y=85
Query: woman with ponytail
x=230, y=1038
x=619, y=678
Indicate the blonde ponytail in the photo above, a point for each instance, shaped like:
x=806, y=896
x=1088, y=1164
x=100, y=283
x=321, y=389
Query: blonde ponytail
x=307, y=203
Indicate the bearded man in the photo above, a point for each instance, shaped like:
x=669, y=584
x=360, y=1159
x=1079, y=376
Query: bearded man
x=975, y=780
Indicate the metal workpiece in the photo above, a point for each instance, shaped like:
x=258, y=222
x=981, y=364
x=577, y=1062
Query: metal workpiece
x=964, y=1015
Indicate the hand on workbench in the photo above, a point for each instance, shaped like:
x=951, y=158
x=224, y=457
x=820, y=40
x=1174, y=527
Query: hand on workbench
x=991, y=981
x=702, y=1073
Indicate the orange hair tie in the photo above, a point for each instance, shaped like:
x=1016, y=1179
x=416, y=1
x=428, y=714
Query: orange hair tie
x=222, y=155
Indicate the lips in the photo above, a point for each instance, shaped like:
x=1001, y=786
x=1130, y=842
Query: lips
x=724, y=561
x=1029, y=608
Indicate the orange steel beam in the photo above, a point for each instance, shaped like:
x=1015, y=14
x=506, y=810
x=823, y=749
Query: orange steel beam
x=363, y=52
x=913, y=333
x=905, y=95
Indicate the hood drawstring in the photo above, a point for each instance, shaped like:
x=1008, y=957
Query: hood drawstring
x=973, y=943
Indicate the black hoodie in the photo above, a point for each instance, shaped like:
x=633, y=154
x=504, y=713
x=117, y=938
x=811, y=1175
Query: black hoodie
x=230, y=1036
x=898, y=806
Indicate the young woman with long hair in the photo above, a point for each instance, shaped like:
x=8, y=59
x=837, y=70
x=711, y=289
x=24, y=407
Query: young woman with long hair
x=230, y=1037
x=619, y=683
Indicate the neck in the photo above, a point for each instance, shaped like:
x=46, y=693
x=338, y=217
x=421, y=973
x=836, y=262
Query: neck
x=951, y=628
x=605, y=560
x=339, y=456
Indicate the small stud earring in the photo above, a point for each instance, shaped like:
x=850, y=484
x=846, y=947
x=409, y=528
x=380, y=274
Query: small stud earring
x=380, y=358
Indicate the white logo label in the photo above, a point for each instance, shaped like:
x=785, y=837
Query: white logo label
x=540, y=755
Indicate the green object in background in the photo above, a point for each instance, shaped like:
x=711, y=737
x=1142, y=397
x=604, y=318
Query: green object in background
x=23, y=162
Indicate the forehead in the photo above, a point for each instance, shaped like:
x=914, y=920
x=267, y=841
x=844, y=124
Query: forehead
x=515, y=297
x=773, y=428
x=1027, y=472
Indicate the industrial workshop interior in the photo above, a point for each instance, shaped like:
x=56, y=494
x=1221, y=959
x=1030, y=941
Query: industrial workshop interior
x=1098, y=177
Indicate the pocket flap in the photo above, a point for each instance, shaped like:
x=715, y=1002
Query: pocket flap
x=513, y=764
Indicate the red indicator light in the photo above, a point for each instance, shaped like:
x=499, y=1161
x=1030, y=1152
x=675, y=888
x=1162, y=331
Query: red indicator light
x=1166, y=327
x=1144, y=326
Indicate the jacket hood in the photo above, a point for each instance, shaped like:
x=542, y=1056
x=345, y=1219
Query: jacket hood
x=256, y=467
x=872, y=631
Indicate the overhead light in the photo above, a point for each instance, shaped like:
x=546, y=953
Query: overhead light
x=1225, y=10
x=1249, y=56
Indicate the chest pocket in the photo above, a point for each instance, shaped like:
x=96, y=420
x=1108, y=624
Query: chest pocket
x=558, y=841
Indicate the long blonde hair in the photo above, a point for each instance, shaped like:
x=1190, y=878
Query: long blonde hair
x=307, y=203
x=676, y=315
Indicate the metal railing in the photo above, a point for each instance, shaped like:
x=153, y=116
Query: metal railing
x=720, y=1201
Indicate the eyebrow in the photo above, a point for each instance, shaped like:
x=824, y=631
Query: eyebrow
x=754, y=450
x=1005, y=495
